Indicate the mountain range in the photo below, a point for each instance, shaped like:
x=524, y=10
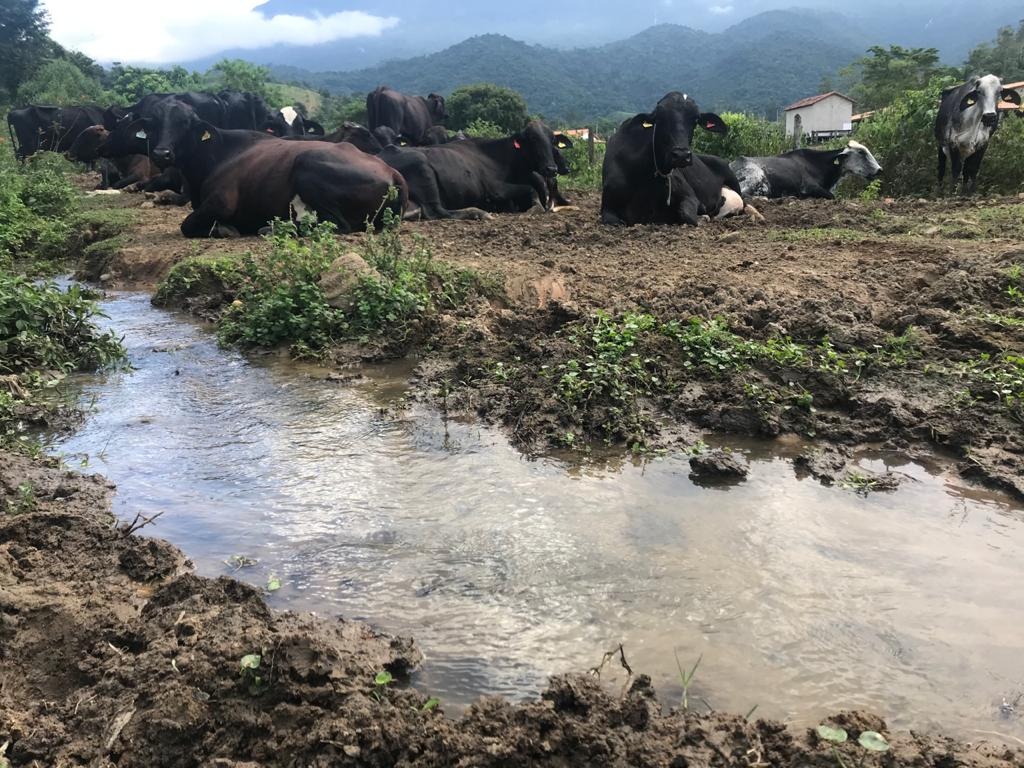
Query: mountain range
x=758, y=65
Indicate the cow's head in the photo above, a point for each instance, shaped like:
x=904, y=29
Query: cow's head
x=535, y=148
x=435, y=105
x=85, y=147
x=131, y=136
x=671, y=126
x=983, y=96
x=169, y=128
x=359, y=136
x=858, y=160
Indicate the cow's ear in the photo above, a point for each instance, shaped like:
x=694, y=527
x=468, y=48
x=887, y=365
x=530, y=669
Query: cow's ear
x=709, y=121
x=1011, y=95
x=562, y=141
x=969, y=100
x=645, y=121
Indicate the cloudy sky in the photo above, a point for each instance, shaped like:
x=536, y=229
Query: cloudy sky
x=138, y=31
x=182, y=30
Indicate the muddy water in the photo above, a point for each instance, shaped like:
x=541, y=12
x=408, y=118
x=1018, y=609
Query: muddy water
x=802, y=599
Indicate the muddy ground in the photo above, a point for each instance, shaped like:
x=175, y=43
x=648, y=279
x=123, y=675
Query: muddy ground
x=940, y=280
x=114, y=653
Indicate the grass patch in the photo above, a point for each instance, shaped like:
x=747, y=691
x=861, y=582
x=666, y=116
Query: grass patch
x=817, y=235
x=45, y=334
x=392, y=290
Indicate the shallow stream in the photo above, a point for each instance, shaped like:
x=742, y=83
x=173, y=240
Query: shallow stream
x=802, y=599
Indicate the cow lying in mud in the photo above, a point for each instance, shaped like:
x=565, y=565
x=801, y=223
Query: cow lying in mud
x=804, y=172
x=652, y=176
x=464, y=179
x=118, y=172
x=239, y=180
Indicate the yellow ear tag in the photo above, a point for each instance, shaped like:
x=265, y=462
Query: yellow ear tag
x=206, y=136
x=561, y=145
x=836, y=161
x=648, y=125
x=970, y=102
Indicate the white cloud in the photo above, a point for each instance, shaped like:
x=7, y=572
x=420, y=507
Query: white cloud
x=144, y=31
x=720, y=10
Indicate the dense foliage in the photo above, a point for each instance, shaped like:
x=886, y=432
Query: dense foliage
x=61, y=82
x=748, y=135
x=239, y=75
x=487, y=104
x=886, y=73
x=129, y=84
x=37, y=202
x=23, y=43
x=1004, y=55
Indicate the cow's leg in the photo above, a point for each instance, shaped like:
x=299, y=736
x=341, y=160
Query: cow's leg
x=166, y=180
x=817, y=191
x=972, y=165
x=942, y=166
x=732, y=204
x=127, y=181
x=516, y=198
x=956, y=168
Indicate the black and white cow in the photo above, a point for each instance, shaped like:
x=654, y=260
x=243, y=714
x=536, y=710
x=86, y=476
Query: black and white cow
x=804, y=172
x=652, y=176
x=968, y=116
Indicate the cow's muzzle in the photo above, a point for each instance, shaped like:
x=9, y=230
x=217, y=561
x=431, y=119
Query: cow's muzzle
x=681, y=158
x=550, y=171
x=989, y=119
x=163, y=157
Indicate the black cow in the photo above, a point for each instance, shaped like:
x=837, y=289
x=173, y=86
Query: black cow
x=497, y=175
x=968, y=116
x=651, y=175
x=410, y=117
x=804, y=172
x=42, y=128
x=248, y=179
x=424, y=193
x=244, y=110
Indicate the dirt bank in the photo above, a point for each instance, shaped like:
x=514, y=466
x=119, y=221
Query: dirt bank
x=112, y=652
x=866, y=322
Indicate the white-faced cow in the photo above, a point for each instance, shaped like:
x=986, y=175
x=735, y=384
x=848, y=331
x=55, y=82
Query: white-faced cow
x=968, y=116
x=652, y=176
x=804, y=172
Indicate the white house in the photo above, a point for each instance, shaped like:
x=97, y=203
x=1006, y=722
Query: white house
x=823, y=116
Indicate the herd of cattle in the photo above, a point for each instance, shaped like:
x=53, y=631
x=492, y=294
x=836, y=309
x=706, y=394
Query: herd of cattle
x=241, y=164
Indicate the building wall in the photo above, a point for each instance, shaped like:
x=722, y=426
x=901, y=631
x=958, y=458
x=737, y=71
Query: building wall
x=831, y=114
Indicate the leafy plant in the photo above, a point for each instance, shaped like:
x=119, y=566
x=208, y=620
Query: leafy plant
x=250, y=670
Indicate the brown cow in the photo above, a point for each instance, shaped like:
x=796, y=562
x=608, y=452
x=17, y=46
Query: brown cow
x=276, y=178
x=118, y=172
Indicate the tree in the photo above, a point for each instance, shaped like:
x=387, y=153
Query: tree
x=335, y=110
x=886, y=74
x=129, y=84
x=239, y=75
x=1004, y=56
x=23, y=42
x=486, y=103
x=61, y=83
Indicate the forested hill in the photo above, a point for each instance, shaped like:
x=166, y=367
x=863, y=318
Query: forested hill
x=759, y=65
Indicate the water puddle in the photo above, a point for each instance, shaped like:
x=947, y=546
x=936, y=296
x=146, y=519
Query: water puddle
x=802, y=599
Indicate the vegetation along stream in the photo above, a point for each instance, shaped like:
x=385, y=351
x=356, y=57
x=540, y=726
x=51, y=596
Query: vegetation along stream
x=800, y=598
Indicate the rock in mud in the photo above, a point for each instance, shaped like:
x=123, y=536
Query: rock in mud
x=718, y=466
x=825, y=463
x=340, y=279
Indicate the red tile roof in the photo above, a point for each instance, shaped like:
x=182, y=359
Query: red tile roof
x=815, y=99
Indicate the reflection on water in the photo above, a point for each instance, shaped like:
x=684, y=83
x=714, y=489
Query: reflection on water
x=802, y=599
